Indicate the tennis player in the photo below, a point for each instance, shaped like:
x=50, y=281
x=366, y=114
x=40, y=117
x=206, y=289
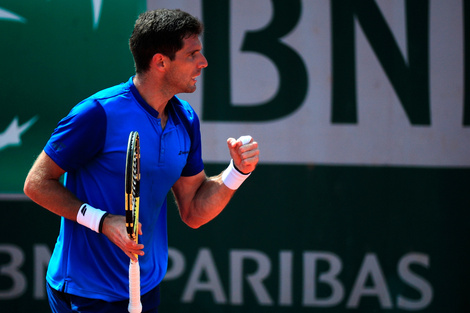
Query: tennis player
x=88, y=270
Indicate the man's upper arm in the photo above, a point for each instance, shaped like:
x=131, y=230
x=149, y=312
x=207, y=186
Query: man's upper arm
x=185, y=189
x=46, y=168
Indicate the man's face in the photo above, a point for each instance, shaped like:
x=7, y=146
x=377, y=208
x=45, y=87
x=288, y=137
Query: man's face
x=187, y=66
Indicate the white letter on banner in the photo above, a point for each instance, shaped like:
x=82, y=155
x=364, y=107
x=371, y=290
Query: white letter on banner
x=204, y=264
x=370, y=266
x=177, y=264
x=42, y=255
x=285, y=278
x=414, y=280
x=12, y=270
x=310, y=260
x=255, y=279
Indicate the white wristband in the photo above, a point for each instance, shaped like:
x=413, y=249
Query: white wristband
x=232, y=178
x=91, y=217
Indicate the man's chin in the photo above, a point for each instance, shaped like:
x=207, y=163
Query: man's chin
x=188, y=90
x=191, y=89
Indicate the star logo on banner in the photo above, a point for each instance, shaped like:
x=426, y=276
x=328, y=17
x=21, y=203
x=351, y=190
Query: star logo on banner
x=97, y=4
x=12, y=135
x=10, y=16
x=96, y=7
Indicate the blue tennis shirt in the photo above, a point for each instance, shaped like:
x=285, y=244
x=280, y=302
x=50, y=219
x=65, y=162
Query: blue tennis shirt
x=90, y=145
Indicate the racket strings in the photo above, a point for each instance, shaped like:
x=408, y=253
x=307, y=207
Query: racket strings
x=133, y=185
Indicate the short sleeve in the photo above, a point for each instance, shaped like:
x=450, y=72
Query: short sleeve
x=79, y=136
x=194, y=164
x=188, y=117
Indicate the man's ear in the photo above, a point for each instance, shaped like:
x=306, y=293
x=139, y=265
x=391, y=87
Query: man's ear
x=159, y=61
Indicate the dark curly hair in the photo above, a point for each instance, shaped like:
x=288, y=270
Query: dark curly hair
x=161, y=31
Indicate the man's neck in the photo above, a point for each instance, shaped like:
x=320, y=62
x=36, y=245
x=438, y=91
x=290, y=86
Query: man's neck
x=152, y=93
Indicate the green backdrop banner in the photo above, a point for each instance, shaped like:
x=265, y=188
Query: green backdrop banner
x=293, y=239
x=53, y=55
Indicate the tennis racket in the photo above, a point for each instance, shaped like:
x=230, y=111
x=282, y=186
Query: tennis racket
x=132, y=216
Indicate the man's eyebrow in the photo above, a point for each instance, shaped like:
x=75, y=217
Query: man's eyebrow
x=191, y=51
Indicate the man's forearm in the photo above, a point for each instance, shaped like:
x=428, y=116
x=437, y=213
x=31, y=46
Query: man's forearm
x=206, y=202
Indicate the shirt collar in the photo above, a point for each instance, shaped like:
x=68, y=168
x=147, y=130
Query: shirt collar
x=141, y=100
x=147, y=107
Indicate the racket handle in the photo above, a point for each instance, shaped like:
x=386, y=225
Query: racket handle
x=134, y=288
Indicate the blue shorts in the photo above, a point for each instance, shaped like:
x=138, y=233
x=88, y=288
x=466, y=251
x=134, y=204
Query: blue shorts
x=61, y=302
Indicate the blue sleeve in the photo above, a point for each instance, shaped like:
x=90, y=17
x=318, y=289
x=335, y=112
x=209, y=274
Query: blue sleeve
x=194, y=164
x=190, y=120
x=79, y=136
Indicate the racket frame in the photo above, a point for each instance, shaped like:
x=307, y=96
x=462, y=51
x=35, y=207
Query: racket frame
x=132, y=202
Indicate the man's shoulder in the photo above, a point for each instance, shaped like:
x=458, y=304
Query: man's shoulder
x=111, y=92
x=183, y=108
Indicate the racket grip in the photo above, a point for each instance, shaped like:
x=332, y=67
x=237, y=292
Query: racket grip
x=134, y=288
